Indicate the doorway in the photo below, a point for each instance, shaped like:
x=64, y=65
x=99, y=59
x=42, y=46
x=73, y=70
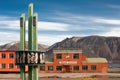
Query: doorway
x=67, y=68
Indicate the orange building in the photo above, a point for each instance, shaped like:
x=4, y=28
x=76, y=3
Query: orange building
x=7, y=62
x=63, y=61
x=74, y=61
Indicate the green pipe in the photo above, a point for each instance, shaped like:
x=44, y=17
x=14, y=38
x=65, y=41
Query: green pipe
x=35, y=45
x=30, y=27
x=30, y=39
x=35, y=40
x=22, y=44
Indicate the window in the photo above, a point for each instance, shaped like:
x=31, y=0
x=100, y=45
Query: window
x=3, y=66
x=93, y=67
x=75, y=56
x=3, y=56
x=76, y=67
x=50, y=68
x=84, y=67
x=42, y=68
x=58, y=56
x=11, y=66
x=59, y=68
x=11, y=55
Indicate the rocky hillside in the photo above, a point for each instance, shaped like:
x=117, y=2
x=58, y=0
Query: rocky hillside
x=92, y=46
x=15, y=46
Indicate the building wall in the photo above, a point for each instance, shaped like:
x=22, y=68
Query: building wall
x=46, y=68
x=72, y=62
x=68, y=57
x=100, y=67
x=66, y=67
x=78, y=63
x=8, y=62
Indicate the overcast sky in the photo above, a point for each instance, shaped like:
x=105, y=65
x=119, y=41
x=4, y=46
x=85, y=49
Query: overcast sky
x=59, y=19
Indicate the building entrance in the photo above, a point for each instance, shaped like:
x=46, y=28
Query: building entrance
x=67, y=68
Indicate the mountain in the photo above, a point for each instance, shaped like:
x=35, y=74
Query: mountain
x=92, y=46
x=15, y=46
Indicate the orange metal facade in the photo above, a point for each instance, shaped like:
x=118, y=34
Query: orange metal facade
x=69, y=62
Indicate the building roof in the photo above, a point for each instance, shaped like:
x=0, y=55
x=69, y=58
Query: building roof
x=67, y=50
x=95, y=60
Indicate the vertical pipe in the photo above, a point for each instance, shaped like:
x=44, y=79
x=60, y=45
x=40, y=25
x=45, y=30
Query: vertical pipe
x=35, y=45
x=30, y=27
x=30, y=38
x=35, y=20
x=22, y=44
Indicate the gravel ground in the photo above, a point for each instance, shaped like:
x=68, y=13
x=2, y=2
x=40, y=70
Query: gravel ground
x=65, y=76
x=67, y=79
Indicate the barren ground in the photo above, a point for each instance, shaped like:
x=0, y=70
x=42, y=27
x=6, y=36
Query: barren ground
x=65, y=76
